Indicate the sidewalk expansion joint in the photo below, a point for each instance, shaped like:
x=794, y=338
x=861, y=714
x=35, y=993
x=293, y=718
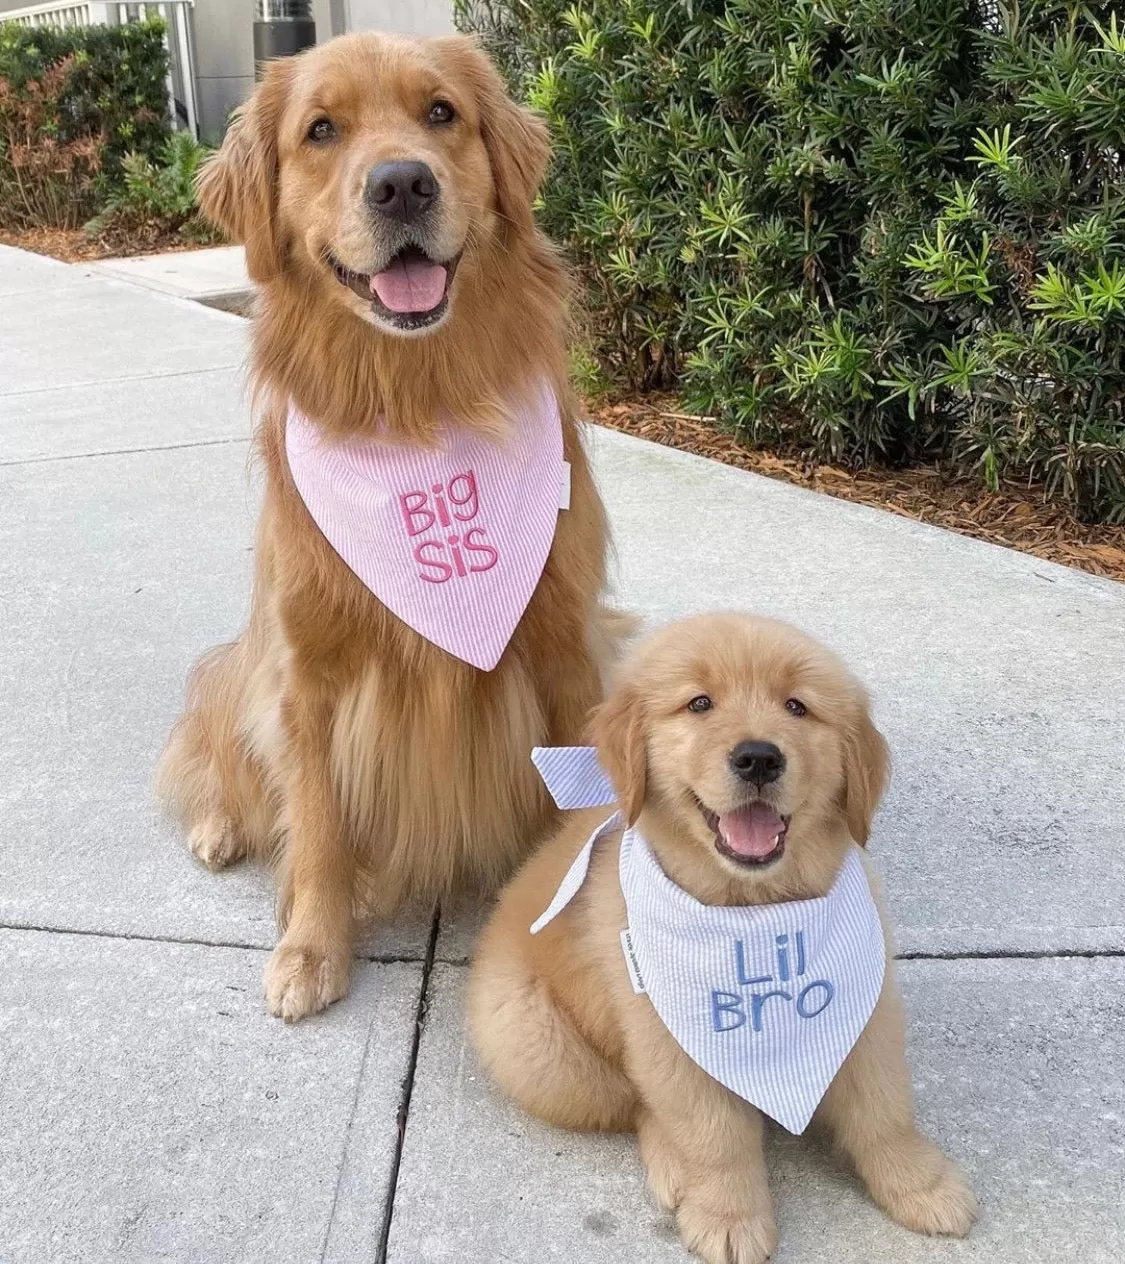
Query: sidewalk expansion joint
x=157, y=447
x=429, y=954
x=407, y=1090
x=128, y=377
x=193, y=941
x=1001, y=954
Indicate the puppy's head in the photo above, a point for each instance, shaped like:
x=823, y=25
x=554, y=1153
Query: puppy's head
x=745, y=741
x=389, y=172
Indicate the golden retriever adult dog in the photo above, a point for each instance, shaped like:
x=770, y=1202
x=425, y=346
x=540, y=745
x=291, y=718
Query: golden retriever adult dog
x=744, y=754
x=383, y=188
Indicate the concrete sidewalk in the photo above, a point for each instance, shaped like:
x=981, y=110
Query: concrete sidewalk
x=150, y=1110
x=216, y=277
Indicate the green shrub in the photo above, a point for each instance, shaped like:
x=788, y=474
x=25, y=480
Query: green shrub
x=73, y=104
x=158, y=194
x=869, y=231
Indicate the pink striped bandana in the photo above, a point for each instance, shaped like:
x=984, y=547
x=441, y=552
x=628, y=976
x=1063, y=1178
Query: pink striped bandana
x=451, y=539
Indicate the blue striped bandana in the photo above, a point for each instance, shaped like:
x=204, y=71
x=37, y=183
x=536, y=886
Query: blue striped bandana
x=768, y=999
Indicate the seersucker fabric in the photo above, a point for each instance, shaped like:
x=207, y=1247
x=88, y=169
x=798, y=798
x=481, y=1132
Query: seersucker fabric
x=451, y=538
x=767, y=999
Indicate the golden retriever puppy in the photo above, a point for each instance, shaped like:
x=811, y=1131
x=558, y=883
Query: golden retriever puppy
x=425, y=604
x=724, y=911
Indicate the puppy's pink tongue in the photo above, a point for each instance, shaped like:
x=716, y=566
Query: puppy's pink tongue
x=410, y=285
x=751, y=831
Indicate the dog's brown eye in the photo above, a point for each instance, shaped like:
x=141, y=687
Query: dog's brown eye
x=795, y=707
x=702, y=703
x=442, y=112
x=321, y=131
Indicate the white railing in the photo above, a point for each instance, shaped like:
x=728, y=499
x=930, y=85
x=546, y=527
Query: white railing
x=178, y=39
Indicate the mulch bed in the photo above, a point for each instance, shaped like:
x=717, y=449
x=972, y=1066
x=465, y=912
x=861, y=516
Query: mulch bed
x=1015, y=516
x=72, y=245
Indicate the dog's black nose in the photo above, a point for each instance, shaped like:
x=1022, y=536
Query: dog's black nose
x=400, y=190
x=758, y=762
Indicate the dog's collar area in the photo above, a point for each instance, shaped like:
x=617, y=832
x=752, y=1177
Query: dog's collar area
x=756, y=814
x=767, y=998
x=365, y=285
x=452, y=538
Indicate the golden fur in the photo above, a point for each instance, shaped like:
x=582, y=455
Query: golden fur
x=553, y=1016
x=374, y=767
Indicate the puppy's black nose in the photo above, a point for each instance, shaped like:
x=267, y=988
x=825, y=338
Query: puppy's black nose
x=400, y=190
x=759, y=762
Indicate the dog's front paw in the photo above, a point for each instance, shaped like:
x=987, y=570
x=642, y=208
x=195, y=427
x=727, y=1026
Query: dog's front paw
x=726, y=1238
x=301, y=980
x=930, y=1197
x=216, y=842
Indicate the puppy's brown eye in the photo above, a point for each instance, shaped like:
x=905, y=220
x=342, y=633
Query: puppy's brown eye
x=795, y=707
x=321, y=131
x=442, y=112
x=702, y=703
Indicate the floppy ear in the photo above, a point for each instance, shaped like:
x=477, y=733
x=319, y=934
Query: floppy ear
x=238, y=186
x=517, y=141
x=867, y=765
x=617, y=730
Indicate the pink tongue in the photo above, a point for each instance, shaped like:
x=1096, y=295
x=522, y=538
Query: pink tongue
x=751, y=831
x=410, y=285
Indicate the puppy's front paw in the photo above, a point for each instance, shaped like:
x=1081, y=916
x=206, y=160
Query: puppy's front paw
x=301, y=980
x=931, y=1197
x=726, y=1239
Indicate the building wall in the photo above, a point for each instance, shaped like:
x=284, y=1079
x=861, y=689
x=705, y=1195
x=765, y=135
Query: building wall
x=224, y=41
x=224, y=60
x=224, y=45
x=408, y=17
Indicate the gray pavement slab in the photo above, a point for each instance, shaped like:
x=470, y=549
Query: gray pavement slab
x=216, y=276
x=171, y=411
x=998, y=678
x=82, y=330
x=116, y=573
x=22, y=272
x=153, y=1112
x=126, y=517
x=1018, y=1067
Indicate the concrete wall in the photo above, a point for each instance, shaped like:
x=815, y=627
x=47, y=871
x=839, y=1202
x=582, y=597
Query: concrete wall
x=224, y=45
x=224, y=42
x=410, y=17
x=224, y=60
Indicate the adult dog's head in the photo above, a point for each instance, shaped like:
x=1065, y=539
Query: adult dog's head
x=388, y=173
x=748, y=751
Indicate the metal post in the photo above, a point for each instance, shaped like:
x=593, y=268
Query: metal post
x=282, y=27
x=181, y=24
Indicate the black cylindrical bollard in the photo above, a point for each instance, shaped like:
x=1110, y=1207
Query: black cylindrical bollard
x=281, y=28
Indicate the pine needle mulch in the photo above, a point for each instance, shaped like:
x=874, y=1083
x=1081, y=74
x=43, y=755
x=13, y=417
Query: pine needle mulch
x=1015, y=516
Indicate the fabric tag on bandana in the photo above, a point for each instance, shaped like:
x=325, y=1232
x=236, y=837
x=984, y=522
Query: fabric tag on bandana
x=452, y=539
x=768, y=999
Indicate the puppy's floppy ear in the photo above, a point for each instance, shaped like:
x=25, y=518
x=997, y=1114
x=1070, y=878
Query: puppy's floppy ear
x=238, y=186
x=517, y=141
x=617, y=730
x=867, y=765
